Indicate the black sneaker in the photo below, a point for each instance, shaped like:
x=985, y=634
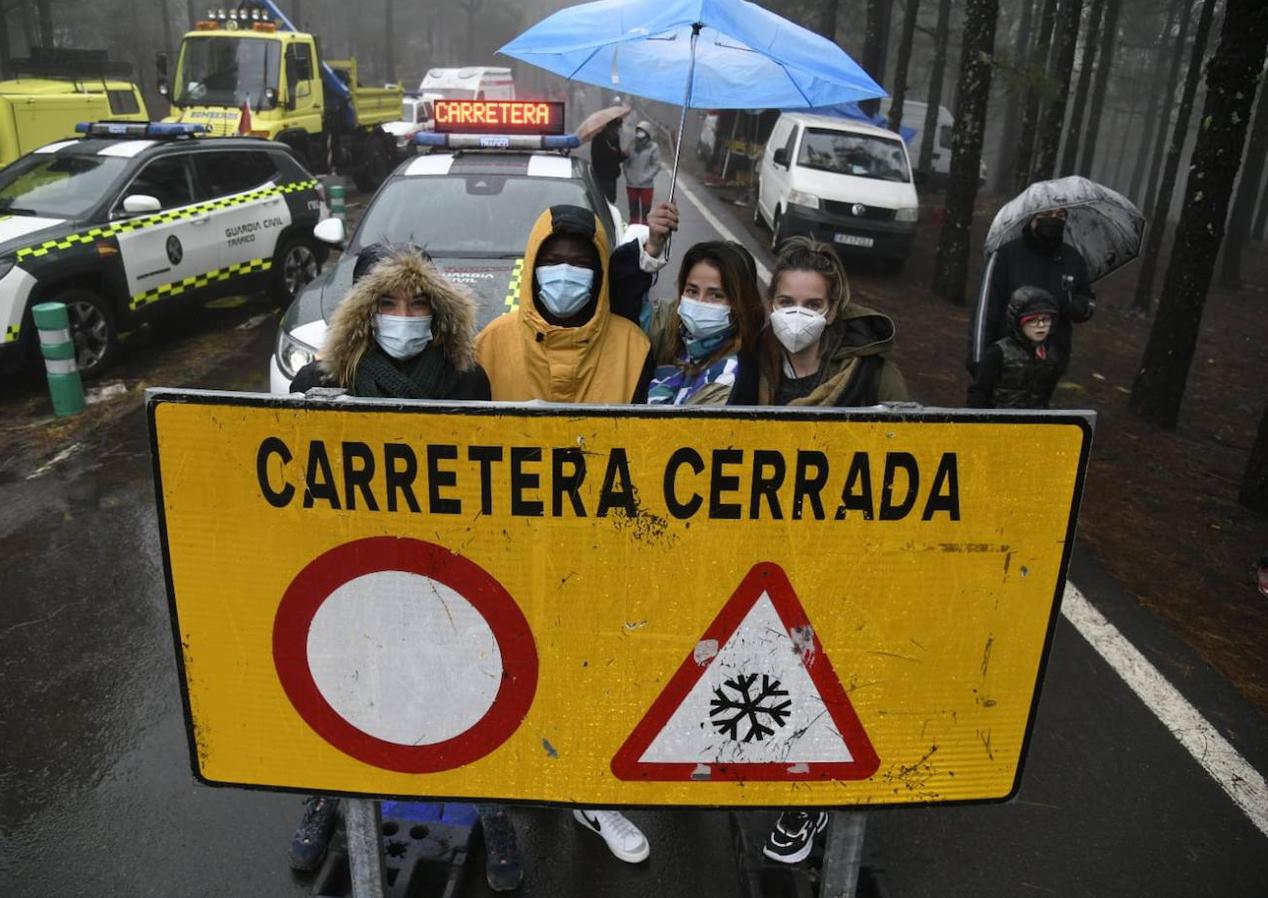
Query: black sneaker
x=794, y=835
x=503, y=867
x=312, y=836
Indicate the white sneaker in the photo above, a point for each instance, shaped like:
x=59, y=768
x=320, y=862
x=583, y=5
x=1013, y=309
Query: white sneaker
x=625, y=840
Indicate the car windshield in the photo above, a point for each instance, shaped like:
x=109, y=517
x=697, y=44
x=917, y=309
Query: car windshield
x=465, y=215
x=226, y=71
x=861, y=155
x=57, y=186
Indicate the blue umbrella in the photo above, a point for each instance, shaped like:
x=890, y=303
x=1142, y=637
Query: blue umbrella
x=708, y=54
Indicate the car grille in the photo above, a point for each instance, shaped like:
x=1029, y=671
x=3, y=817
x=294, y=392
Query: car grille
x=846, y=210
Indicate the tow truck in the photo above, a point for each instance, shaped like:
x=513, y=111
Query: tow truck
x=54, y=89
x=250, y=71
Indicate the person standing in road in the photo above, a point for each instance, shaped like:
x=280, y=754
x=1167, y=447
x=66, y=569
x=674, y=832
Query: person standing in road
x=1021, y=369
x=606, y=157
x=563, y=343
x=820, y=348
x=705, y=342
x=1040, y=257
x=402, y=331
x=642, y=164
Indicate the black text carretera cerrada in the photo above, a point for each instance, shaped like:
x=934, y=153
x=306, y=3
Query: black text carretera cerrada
x=567, y=481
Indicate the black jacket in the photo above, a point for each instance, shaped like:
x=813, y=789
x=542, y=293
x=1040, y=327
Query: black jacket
x=606, y=155
x=1022, y=262
x=471, y=385
x=1012, y=375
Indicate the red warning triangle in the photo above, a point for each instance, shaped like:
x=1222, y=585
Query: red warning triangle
x=757, y=699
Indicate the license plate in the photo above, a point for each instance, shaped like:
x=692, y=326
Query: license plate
x=851, y=240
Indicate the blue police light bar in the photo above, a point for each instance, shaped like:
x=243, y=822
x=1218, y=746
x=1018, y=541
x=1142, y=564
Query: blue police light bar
x=140, y=129
x=497, y=141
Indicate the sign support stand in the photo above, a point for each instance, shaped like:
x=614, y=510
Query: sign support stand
x=362, y=824
x=843, y=854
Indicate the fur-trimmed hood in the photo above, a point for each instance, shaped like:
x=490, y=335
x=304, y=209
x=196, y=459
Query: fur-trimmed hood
x=352, y=325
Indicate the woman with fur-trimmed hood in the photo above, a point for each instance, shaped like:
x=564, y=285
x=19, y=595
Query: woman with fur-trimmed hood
x=403, y=331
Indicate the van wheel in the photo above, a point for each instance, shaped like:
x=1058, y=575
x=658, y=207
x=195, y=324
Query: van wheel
x=776, y=232
x=92, y=327
x=295, y=265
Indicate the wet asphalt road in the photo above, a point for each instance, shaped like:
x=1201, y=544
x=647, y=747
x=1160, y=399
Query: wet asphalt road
x=96, y=795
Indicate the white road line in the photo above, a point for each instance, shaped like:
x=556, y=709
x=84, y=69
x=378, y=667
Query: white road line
x=1243, y=783
x=55, y=461
x=763, y=273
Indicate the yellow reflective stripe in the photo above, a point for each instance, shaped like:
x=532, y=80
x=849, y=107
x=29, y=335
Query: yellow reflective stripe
x=199, y=281
x=11, y=333
x=513, y=288
x=137, y=224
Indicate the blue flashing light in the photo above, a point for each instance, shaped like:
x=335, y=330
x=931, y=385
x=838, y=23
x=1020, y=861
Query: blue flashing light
x=431, y=139
x=139, y=129
x=561, y=142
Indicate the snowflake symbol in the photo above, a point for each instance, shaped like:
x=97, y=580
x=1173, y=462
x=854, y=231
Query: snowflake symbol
x=746, y=706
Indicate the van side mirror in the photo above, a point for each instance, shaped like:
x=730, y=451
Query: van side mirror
x=164, y=88
x=781, y=157
x=160, y=62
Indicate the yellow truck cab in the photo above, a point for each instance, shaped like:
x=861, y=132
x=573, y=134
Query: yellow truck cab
x=250, y=71
x=54, y=90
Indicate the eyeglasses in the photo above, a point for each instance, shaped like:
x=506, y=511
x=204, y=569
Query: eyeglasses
x=1041, y=320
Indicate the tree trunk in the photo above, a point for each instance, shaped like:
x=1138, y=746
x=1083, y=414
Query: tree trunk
x=828, y=19
x=1168, y=98
x=389, y=39
x=904, y=60
x=1161, y=201
x=929, y=133
x=1160, y=108
x=1120, y=155
x=1254, y=492
x=1070, y=155
x=45, y=10
x=5, y=53
x=1109, y=35
x=1244, y=205
x=1065, y=42
x=1230, y=90
x=1007, y=155
x=951, y=268
x=165, y=13
x=28, y=27
x=191, y=15
x=297, y=14
x=1036, y=76
x=875, y=47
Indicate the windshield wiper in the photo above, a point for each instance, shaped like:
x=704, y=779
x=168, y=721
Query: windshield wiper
x=15, y=210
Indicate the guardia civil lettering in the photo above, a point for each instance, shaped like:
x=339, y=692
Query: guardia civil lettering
x=724, y=484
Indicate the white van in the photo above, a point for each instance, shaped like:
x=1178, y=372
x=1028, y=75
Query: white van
x=840, y=181
x=470, y=83
x=914, y=112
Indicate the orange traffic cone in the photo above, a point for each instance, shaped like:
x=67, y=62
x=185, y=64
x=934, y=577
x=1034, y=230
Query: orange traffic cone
x=244, y=123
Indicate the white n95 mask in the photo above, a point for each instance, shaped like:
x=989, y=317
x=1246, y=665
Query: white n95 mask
x=796, y=328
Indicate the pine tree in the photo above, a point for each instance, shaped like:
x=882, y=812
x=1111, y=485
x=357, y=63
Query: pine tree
x=1239, y=220
x=1048, y=140
x=1100, y=84
x=951, y=268
x=1231, y=80
x=936, y=74
x=1070, y=155
x=904, y=60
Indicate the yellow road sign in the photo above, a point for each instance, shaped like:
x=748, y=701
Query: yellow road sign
x=613, y=606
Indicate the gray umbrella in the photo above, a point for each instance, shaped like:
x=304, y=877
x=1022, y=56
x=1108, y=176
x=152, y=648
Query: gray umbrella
x=1103, y=225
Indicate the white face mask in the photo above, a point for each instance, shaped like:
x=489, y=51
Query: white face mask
x=796, y=327
x=703, y=319
x=402, y=336
x=564, y=289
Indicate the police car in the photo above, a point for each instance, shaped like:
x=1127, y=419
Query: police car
x=134, y=221
x=471, y=204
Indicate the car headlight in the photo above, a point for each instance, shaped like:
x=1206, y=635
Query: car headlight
x=797, y=198
x=910, y=214
x=292, y=354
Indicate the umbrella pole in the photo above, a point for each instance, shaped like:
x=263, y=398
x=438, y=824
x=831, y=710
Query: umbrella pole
x=686, y=103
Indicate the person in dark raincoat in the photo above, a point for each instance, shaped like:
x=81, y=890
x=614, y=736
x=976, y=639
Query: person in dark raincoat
x=1021, y=369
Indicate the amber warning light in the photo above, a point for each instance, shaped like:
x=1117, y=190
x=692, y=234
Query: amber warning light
x=498, y=117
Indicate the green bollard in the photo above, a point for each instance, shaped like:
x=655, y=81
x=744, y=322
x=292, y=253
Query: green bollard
x=337, y=208
x=58, y=350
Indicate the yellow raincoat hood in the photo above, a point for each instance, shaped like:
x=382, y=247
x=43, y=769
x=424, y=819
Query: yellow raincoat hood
x=527, y=357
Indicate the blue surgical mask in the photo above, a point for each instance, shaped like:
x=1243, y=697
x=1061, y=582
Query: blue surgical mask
x=564, y=289
x=703, y=319
x=402, y=336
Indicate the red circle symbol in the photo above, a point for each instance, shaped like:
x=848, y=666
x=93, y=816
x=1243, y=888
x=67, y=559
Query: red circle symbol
x=326, y=573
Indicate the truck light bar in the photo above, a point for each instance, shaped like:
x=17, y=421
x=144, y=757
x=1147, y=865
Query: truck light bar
x=497, y=141
x=139, y=129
